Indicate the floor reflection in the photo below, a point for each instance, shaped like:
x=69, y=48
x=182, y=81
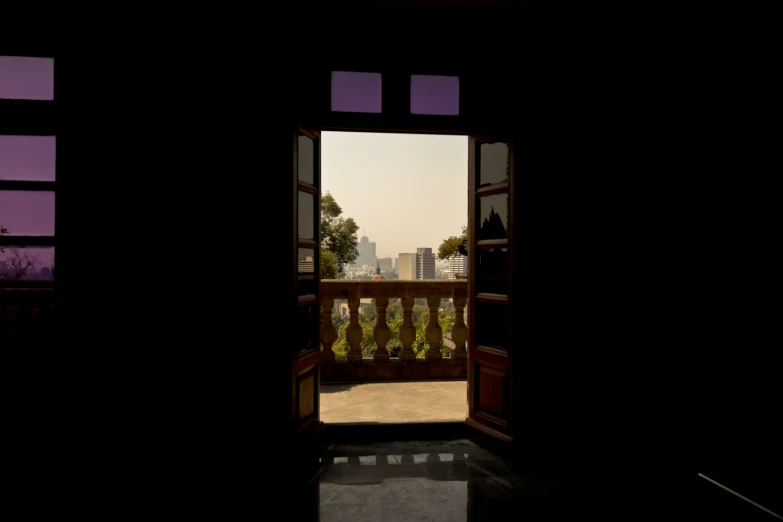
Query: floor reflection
x=427, y=481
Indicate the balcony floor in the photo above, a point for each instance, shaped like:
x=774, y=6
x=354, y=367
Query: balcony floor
x=394, y=402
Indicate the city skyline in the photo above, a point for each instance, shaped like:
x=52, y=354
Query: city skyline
x=405, y=191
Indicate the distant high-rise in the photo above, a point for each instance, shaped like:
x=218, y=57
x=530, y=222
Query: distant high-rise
x=420, y=265
x=426, y=263
x=458, y=264
x=366, y=251
x=408, y=264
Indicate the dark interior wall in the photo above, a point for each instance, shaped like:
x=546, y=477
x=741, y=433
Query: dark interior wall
x=146, y=132
x=616, y=378
x=156, y=128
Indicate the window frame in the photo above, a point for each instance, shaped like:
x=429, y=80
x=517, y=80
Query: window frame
x=30, y=118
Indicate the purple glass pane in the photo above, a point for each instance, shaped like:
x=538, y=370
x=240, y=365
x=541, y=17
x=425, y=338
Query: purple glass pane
x=27, y=213
x=356, y=91
x=27, y=158
x=437, y=95
x=24, y=78
x=29, y=262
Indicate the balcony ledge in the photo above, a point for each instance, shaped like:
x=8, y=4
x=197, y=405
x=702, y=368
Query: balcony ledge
x=368, y=370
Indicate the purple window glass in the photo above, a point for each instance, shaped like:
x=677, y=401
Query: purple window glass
x=27, y=158
x=356, y=92
x=435, y=95
x=27, y=262
x=26, y=78
x=27, y=213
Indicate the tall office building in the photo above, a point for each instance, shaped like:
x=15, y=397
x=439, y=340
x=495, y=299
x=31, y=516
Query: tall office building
x=458, y=264
x=408, y=264
x=425, y=261
x=420, y=265
x=366, y=251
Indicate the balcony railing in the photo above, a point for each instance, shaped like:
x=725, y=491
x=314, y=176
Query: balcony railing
x=383, y=367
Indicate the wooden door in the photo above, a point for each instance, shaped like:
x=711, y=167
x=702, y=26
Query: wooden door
x=305, y=352
x=490, y=252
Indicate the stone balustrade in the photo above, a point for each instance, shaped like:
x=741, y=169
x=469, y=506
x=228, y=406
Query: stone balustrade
x=382, y=366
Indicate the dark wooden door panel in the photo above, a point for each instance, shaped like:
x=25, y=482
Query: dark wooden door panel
x=304, y=342
x=490, y=251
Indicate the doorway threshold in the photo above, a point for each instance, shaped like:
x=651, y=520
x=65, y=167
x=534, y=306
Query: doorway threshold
x=364, y=432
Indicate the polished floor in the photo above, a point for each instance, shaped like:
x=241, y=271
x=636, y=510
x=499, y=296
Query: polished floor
x=394, y=402
x=447, y=481
x=458, y=480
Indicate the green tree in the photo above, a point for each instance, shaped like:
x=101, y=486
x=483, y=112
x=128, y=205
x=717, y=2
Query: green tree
x=338, y=234
x=338, y=320
x=328, y=264
x=394, y=310
x=370, y=312
x=447, y=307
x=421, y=318
x=394, y=347
x=453, y=245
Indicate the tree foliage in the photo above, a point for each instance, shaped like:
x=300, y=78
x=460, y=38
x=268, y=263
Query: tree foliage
x=328, y=264
x=338, y=234
x=453, y=245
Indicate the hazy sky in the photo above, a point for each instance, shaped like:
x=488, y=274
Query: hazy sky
x=406, y=190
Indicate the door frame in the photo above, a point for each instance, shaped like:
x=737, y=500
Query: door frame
x=469, y=428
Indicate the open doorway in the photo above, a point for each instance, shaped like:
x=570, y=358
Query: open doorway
x=394, y=214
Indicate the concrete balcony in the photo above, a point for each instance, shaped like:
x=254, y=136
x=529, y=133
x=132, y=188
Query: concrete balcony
x=394, y=402
x=407, y=366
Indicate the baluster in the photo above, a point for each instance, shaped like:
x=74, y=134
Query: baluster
x=459, y=334
x=407, y=330
x=434, y=333
x=328, y=331
x=381, y=331
x=353, y=334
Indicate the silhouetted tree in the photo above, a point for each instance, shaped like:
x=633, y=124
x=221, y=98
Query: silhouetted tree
x=492, y=227
x=20, y=262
